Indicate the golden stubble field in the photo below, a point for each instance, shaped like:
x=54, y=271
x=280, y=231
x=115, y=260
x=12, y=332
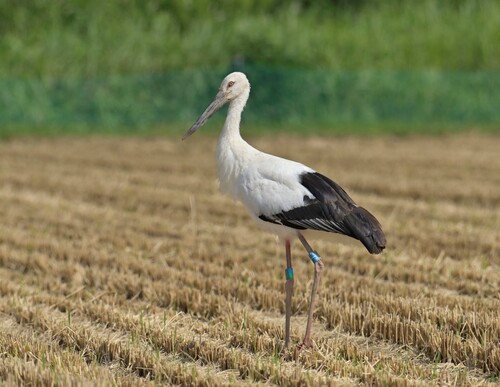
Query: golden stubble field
x=120, y=263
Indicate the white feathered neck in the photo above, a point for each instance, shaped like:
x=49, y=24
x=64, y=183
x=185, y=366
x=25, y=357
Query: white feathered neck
x=232, y=151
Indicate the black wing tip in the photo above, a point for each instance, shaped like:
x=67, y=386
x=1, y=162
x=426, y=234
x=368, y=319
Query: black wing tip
x=376, y=247
x=367, y=229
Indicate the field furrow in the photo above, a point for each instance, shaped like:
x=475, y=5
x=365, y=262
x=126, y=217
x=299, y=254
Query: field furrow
x=121, y=263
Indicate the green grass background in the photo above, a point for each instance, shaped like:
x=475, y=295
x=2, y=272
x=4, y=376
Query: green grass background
x=91, y=66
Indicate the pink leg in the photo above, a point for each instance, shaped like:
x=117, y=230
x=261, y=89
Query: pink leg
x=289, y=291
x=318, y=266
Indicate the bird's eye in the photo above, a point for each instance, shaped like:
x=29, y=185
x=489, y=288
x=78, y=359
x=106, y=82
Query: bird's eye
x=230, y=84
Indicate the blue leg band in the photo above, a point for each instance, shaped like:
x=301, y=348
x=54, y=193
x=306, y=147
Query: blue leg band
x=314, y=256
x=289, y=273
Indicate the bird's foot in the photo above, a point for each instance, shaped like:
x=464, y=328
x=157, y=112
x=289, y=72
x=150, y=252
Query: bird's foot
x=284, y=349
x=288, y=352
x=306, y=344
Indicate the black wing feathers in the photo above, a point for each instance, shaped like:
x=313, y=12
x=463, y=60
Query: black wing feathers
x=332, y=210
x=325, y=189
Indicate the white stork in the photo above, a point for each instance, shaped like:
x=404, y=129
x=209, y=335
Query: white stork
x=284, y=197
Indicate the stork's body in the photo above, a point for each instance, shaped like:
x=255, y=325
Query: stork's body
x=284, y=197
x=265, y=184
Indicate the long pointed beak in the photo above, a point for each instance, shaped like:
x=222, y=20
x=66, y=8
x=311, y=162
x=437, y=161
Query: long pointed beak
x=215, y=105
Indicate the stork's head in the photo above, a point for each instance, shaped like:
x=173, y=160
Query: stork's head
x=234, y=85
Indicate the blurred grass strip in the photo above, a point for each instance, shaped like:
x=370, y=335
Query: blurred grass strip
x=92, y=38
x=396, y=101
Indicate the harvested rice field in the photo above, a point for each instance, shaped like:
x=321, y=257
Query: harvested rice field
x=121, y=264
